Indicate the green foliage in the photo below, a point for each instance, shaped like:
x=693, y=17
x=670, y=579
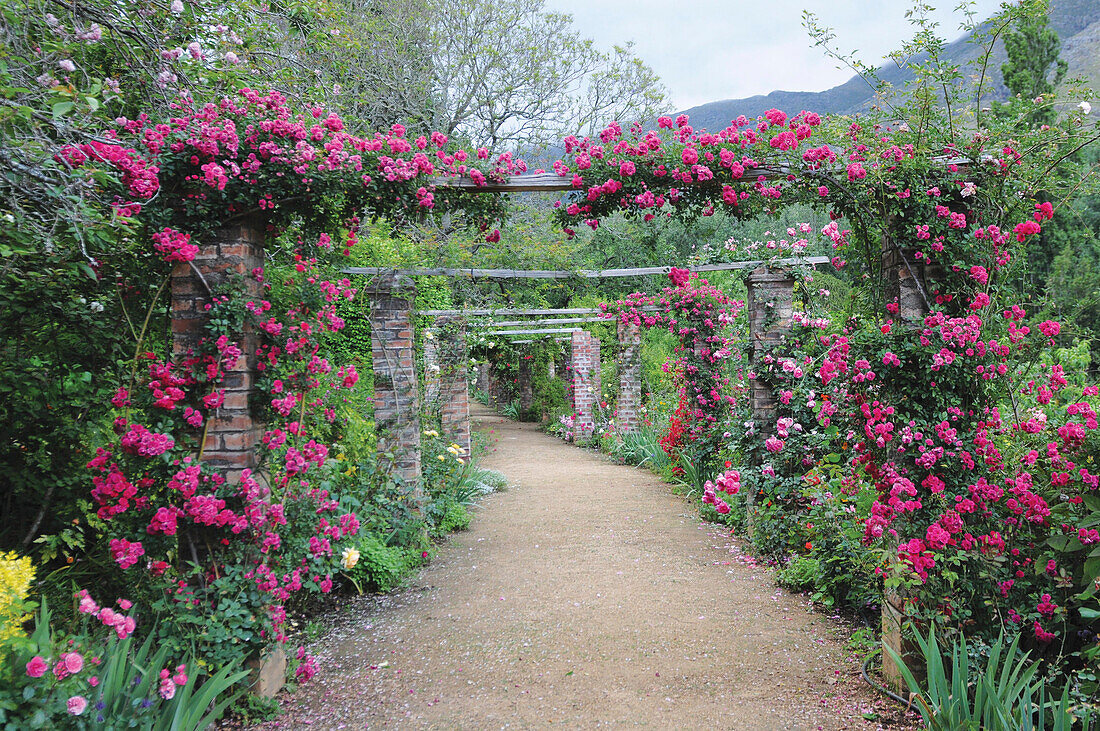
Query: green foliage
x=800, y=573
x=130, y=692
x=1002, y=696
x=511, y=410
x=455, y=517
x=381, y=567
x=251, y=709
x=641, y=447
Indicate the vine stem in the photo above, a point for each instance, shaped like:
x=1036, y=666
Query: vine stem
x=141, y=337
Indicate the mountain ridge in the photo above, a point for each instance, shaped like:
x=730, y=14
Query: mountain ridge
x=1077, y=23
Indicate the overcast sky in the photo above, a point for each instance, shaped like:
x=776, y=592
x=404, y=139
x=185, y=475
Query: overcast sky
x=707, y=50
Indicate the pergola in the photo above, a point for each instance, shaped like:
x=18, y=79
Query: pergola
x=233, y=436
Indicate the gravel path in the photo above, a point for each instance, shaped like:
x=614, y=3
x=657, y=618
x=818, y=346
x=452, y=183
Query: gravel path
x=586, y=595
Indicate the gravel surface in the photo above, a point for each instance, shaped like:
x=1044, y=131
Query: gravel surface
x=586, y=595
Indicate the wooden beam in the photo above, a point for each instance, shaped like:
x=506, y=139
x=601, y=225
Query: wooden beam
x=579, y=274
x=544, y=182
x=546, y=331
x=555, y=321
x=550, y=182
x=510, y=312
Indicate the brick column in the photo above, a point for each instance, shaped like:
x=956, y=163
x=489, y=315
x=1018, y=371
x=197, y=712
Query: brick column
x=630, y=376
x=586, y=382
x=904, y=276
x=396, y=400
x=454, y=387
x=232, y=434
x=483, y=377
x=526, y=386
x=770, y=305
x=431, y=373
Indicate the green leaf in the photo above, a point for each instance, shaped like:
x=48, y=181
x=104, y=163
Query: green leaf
x=60, y=109
x=1092, y=569
x=1066, y=544
x=1090, y=614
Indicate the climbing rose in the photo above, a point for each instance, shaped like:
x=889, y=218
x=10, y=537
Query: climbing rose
x=77, y=704
x=37, y=667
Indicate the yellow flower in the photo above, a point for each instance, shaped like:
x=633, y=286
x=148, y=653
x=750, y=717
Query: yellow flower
x=349, y=558
x=431, y=433
x=16, y=575
x=441, y=458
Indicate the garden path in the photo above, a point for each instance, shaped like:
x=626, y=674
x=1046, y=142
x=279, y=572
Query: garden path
x=586, y=594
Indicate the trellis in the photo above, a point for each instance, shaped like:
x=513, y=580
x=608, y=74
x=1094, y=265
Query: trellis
x=232, y=436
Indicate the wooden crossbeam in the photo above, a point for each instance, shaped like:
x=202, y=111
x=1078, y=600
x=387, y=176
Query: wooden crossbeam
x=554, y=321
x=545, y=182
x=551, y=182
x=546, y=331
x=579, y=274
x=511, y=312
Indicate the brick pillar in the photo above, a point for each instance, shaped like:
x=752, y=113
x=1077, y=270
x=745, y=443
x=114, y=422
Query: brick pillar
x=232, y=434
x=904, y=276
x=770, y=305
x=586, y=382
x=526, y=386
x=396, y=407
x=454, y=387
x=431, y=374
x=483, y=377
x=630, y=376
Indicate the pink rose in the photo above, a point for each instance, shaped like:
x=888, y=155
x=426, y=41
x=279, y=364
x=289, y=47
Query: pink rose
x=77, y=704
x=74, y=663
x=37, y=667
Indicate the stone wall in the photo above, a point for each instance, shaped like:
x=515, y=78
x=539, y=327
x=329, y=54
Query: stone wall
x=396, y=395
x=232, y=433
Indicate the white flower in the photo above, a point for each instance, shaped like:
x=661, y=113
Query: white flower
x=1085, y=108
x=176, y=7
x=231, y=57
x=66, y=65
x=349, y=558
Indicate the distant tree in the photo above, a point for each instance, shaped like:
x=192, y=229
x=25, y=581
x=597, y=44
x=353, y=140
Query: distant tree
x=508, y=71
x=1034, y=66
